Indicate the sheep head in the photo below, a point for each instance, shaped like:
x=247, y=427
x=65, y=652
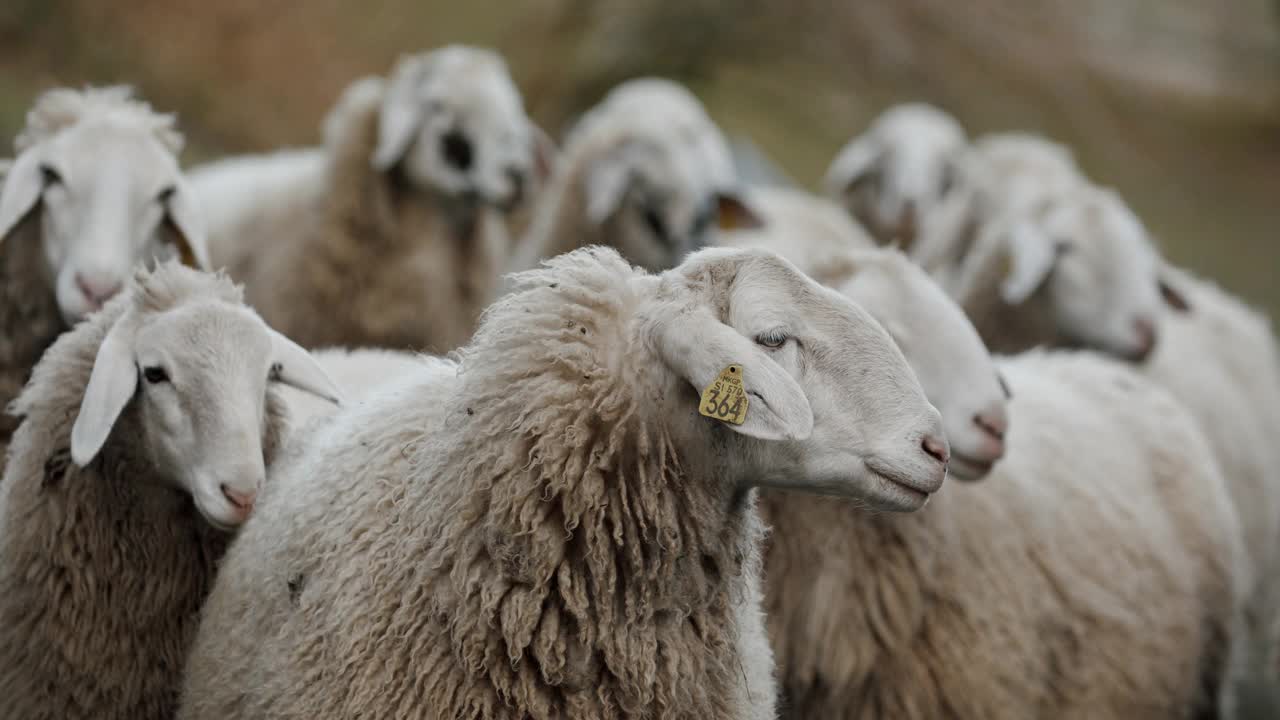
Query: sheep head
x=454, y=121
x=898, y=172
x=98, y=172
x=1084, y=259
x=832, y=406
x=196, y=365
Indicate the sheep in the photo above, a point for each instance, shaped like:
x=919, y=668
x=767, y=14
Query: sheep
x=1219, y=357
x=1077, y=269
x=94, y=189
x=646, y=171
x=942, y=346
x=393, y=234
x=1095, y=573
x=894, y=176
x=145, y=433
x=551, y=529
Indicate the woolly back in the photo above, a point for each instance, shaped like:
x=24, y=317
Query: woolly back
x=580, y=542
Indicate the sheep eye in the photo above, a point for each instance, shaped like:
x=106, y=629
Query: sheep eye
x=155, y=374
x=654, y=221
x=772, y=339
x=51, y=176
x=456, y=150
x=948, y=180
x=165, y=194
x=1004, y=387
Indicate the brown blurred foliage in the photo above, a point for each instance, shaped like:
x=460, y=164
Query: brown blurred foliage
x=1175, y=102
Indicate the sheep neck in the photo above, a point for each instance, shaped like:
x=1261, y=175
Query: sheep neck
x=847, y=590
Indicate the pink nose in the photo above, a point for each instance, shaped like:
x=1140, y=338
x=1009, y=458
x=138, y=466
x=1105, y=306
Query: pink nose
x=243, y=501
x=936, y=448
x=1145, y=329
x=97, y=290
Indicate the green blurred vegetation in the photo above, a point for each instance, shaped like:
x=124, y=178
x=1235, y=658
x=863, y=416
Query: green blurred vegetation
x=1174, y=102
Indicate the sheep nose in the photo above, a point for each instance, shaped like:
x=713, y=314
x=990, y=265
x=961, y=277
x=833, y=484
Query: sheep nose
x=240, y=499
x=97, y=290
x=993, y=422
x=1145, y=329
x=936, y=448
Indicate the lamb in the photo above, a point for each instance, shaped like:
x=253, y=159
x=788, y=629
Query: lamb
x=942, y=346
x=551, y=529
x=1219, y=357
x=145, y=433
x=393, y=235
x=95, y=188
x=646, y=171
x=1095, y=573
x=897, y=173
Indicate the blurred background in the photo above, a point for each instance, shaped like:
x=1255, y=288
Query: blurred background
x=1174, y=102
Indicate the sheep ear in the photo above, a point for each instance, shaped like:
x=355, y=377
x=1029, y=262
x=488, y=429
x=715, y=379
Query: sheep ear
x=297, y=368
x=398, y=123
x=187, y=227
x=1172, y=296
x=112, y=384
x=699, y=347
x=545, y=153
x=20, y=193
x=732, y=213
x=607, y=183
x=857, y=162
x=1030, y=257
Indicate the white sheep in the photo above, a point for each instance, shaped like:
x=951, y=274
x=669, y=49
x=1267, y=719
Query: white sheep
x=645, y=171
x=145, y=435
x=1219, y=357
x=552, y=529
x=940, y=343
x=897, y=173
x=392, y=235
x=1077, y=268
x=1095, y=573
x=95, y=188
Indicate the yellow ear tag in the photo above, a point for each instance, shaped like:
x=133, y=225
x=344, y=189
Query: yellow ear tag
x=724, y=399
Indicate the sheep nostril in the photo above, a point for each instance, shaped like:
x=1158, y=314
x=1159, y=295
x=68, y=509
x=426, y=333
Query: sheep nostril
x=991, y=424
x=241, y=500
x=1146, y=332
x=936, y=448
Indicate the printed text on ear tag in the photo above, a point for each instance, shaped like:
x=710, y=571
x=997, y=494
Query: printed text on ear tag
x=724, y=399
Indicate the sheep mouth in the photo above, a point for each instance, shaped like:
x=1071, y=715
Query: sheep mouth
x=964, y=467
x=902, y=479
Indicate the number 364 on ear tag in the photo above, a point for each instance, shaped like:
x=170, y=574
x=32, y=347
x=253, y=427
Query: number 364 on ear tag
x=725, y=399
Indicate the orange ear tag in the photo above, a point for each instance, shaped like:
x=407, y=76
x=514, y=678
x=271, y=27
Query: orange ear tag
x=725, y=399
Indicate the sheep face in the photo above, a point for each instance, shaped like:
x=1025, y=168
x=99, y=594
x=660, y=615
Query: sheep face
x=945, y=352
x=1092, y=260
x=895, y=175
x=197, y=376
x=654, y=203
x=108, y=194
x=454, y=121
x=832, y=406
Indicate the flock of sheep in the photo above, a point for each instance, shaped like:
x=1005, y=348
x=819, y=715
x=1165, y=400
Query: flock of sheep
x=644, y=472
